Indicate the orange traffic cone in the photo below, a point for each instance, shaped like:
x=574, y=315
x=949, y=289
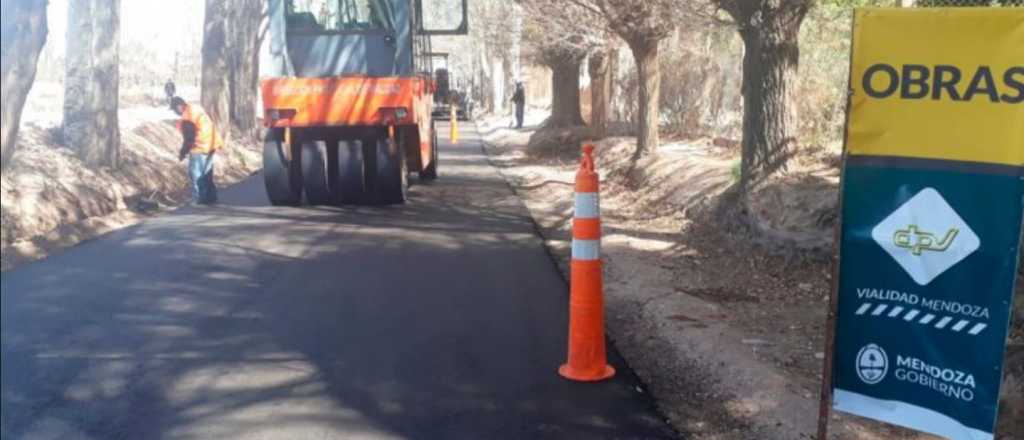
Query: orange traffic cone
x=587, y=355
x=455, y=126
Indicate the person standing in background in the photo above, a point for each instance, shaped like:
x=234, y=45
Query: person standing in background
x=519, y=99
x=170, y=90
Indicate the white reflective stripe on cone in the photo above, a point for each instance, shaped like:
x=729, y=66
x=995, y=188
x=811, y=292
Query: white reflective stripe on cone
x=587, y=205
x=586, y=249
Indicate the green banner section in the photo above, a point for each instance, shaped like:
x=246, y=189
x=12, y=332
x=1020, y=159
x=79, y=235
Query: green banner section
x=928, y=262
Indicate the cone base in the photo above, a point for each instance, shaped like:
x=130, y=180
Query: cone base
x=568, y=372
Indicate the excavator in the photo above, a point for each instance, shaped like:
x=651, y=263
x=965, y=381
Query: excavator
x=347, y=92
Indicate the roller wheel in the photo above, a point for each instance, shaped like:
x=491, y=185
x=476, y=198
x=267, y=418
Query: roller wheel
x=392, y=173
x=350, y=181
x=430, y=172
x=314, y=173
x=282, y=177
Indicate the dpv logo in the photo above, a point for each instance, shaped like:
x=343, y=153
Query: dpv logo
x=926, y=236
x=918, y=241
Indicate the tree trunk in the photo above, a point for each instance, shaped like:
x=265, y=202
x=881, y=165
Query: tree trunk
x=600, y=86
x=243, y=52
x=498, y=85
x=486, y=91
x=517, y=51
x=23, y=32
x=770, y=62
x=91, y=81
x=565, y=93
x=649, y=94
x=508, y=80
x=613, y=72
x=216, y=70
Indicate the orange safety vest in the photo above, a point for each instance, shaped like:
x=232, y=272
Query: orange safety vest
x=207, y=139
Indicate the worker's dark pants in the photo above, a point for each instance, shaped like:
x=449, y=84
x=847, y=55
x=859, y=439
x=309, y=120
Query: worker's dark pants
x=200, y=171
x=519, y=115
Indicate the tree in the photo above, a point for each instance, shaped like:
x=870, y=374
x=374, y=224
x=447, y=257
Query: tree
x=612, y=58
x=492, y=45
x=642, y=24
x=91, y=79
x=215, y=84
x=600, y=92
x=490, y=59
x=769, y=30
x=560, y=35
x=244, y=41
x=23, y=30
x=230, y=73
x=565, y=64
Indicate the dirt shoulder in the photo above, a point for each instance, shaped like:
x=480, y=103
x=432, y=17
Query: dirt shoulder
x=50, y=201
x=726, y=329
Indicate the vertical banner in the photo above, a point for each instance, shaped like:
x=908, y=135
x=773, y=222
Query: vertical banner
x=933, y=194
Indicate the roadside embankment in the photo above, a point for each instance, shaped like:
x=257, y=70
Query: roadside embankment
x=723, y=319
x=50, y=200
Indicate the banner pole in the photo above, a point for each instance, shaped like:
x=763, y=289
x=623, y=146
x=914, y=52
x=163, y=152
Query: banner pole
x=825, y=403
x=833, y=306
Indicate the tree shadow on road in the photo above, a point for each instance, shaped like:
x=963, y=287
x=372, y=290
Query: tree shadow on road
x=440, y=319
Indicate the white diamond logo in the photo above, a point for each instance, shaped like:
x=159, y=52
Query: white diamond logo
x=926, y=236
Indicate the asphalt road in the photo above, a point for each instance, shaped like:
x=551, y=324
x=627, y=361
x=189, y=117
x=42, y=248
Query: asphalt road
x=443, y=318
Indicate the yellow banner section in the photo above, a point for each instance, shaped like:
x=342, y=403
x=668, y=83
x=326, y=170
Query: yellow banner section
x=938, y=83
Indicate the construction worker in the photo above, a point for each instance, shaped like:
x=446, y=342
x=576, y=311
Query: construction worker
x=200, y=143
x=170, y=90
x=519, y=99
